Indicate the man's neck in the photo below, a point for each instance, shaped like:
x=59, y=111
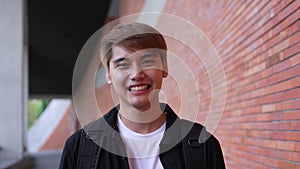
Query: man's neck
x=142, y=121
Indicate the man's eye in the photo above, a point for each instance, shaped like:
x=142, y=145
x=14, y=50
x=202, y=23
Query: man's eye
x=148, y=62
x=122, y=65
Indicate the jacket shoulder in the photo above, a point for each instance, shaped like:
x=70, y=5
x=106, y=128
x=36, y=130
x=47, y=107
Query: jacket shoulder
x=74, y=140
x=70, y=151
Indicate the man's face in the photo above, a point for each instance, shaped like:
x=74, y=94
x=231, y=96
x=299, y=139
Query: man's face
x=136, y=76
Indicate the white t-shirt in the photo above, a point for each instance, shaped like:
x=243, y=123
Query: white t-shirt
x=142, y=149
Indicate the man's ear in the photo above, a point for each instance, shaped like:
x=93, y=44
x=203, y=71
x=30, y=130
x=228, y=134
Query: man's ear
x=165, y=73
x=165, y=68
x=108, y=78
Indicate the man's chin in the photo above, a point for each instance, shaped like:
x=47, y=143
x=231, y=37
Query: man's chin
x=142, y=106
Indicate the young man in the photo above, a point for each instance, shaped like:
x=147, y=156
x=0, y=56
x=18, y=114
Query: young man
x=140, y=132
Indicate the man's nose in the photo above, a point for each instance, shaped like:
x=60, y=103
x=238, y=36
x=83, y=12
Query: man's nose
x=137, y=73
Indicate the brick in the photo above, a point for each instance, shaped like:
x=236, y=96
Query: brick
x=259, y=134
x=268, y=108
x=295, y=38
x=285, y=164
x=285, y=115
x=255, y=69
x=285, y=145
x=297, y=146
x=286, y=135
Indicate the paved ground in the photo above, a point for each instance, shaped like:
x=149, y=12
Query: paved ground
x=46, y=160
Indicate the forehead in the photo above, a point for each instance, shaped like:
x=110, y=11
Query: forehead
x=119, y=52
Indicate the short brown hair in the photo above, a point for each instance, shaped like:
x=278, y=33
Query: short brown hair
x=133, y=36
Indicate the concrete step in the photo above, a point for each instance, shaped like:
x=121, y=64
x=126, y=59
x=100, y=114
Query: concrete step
x=46, y=159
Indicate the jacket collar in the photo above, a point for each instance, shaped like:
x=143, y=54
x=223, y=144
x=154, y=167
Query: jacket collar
x=112, y=115
x=104, y=131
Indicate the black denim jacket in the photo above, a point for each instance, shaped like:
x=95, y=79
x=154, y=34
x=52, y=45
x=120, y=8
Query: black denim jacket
x=99, y=146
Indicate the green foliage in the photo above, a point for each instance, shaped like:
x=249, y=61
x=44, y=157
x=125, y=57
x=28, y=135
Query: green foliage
x=35, y=109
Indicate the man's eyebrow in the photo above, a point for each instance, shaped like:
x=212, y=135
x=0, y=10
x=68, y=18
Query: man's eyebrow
x=119, y=60
x=149, y=55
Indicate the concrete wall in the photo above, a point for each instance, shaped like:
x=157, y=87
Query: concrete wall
x=13, y=80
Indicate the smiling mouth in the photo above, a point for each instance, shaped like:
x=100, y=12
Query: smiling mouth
x=139, y=88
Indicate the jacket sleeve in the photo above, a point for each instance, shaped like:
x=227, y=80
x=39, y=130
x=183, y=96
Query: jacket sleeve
x=70, y=152
x=214, y=154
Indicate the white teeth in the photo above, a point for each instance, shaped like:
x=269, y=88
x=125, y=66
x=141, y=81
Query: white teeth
x=137, y=88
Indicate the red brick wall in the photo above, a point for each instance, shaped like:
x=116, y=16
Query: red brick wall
x=258, y=43
x=128, y=7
